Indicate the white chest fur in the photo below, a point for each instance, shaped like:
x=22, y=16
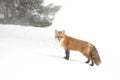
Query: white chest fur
x=61, y=41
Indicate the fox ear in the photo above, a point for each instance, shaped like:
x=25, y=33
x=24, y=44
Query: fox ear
x=63, y=31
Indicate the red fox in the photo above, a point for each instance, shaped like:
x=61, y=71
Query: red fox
x=86, y=48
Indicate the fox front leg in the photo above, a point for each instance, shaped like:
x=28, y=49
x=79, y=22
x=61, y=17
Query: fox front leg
x=67, y=52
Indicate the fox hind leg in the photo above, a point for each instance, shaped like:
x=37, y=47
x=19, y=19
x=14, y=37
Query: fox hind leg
x=67, y=52
x=92, y=63
x=87, y=61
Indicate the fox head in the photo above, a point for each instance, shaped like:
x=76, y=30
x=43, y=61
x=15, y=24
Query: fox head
x=59, y=35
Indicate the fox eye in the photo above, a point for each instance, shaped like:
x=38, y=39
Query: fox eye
x=59, y=36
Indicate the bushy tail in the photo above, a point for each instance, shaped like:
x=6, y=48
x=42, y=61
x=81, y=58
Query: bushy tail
x=95, y=56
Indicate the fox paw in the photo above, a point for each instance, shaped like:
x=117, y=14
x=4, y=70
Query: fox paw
x=91, y=64
x=66, y=58
x=87, y=62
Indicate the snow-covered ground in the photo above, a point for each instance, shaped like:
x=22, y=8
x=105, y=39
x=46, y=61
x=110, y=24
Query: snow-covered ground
x=28, y=53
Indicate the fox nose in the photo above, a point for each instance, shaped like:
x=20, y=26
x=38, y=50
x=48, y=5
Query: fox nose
x=58, y=39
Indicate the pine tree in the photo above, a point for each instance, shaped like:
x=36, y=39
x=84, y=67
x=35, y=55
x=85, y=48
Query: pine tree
x=27, y=12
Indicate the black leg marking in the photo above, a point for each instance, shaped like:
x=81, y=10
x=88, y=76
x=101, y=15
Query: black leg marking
x=67, y=52
x=87, y=61
x=92, y=64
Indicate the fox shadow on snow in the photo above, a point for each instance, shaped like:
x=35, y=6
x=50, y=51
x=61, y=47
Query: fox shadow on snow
x=58, y=57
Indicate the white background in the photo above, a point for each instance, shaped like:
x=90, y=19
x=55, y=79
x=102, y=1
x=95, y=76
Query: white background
x=28, y=53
